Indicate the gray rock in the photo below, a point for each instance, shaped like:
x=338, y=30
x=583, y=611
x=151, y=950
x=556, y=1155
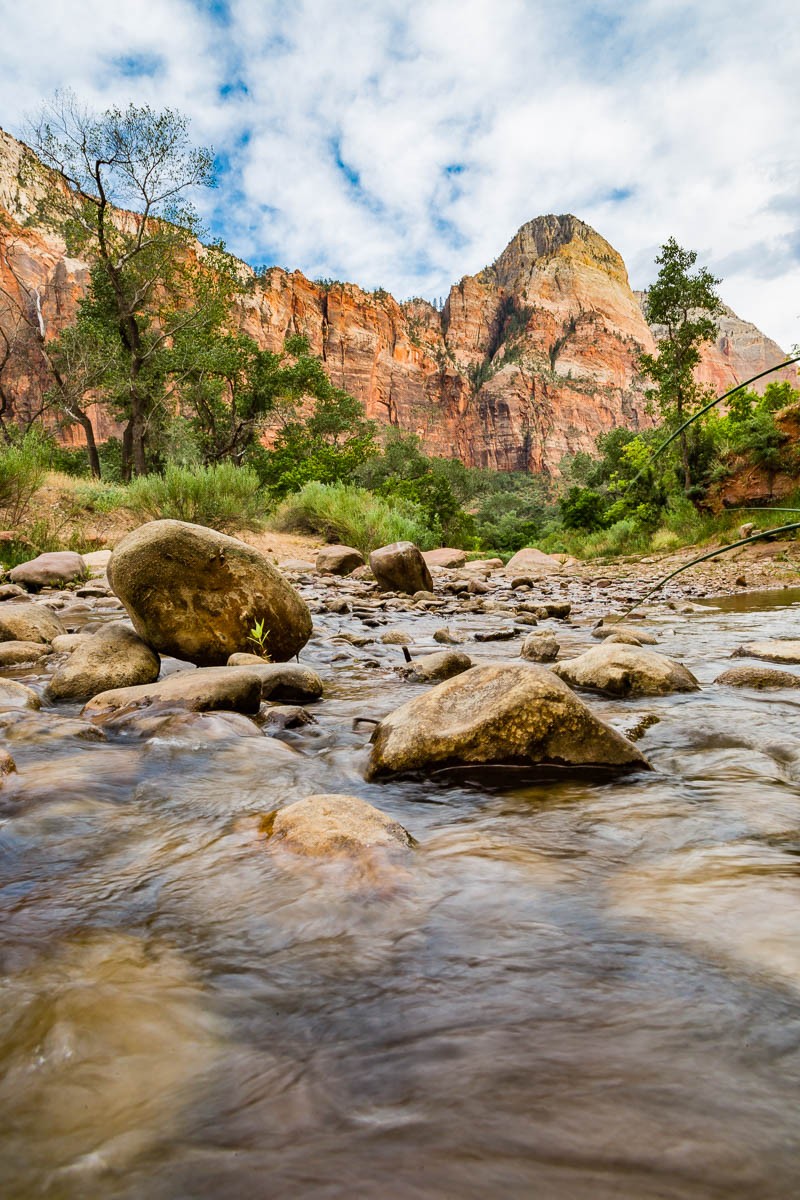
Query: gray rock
x=50, y=570
x=758, y=677
x=339, y=560
x=332, y=824
x=28, y=622
x=400, y=567
x=493, y=716
x=237, y=689
x=196, y=594
x=620, y=670
x=442, y=664
x=496, y=635
x=114, y=657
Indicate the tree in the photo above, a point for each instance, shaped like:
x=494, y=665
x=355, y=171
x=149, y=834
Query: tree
x=123, y=202
x=685, y=305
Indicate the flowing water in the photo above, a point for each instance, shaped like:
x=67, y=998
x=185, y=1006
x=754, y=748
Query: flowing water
x=575, y=989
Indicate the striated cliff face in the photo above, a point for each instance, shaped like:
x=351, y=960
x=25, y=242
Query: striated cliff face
x=530, y=359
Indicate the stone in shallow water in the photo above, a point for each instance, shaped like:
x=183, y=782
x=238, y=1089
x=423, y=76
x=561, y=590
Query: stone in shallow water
x=115, y=656
x=235, y=688
x=620, y=670
x=758, y=677
x=339, y=560
x=490, y=716
x=17, y=695
x=400, y=567
x=14, y=653
x=49, y=570
x=332, y=824
x=281, y=681
x=28, y=622
x=638, y=636
x=774, y=650
x=442, y=664
x=540, y=647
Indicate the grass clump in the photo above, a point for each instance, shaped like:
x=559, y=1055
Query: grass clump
x=223, y=497
x=353, y=516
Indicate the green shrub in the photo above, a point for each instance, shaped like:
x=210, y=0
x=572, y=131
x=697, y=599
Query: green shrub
x=353, y=516
x=223, y=497
x=23, y=466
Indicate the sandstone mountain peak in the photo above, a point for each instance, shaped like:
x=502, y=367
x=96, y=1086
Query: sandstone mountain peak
x=530, y=360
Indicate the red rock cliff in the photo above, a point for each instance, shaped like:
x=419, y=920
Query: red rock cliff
x=529, y=361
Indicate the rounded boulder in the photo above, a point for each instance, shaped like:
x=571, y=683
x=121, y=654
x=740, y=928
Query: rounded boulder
x=400, y=567
x=196, y=594
x=114, y=657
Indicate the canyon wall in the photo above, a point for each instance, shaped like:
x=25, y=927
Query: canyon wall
x=529, y=360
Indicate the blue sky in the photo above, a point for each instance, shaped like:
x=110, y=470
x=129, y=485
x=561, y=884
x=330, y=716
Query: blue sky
x=401, y=144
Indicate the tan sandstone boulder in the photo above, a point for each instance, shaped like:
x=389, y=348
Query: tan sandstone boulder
x=114, y=657
x=506, y=714
x=331, y=824
x=28, y=622
x=196, y=594
x=533, y=562
x=400, y=567
x=236, y=689
x=339, y=560
x=49, y=570
x=445, y=556
x=621, y=670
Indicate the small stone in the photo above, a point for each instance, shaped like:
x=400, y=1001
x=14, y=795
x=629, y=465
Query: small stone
x=760, y=678
x=396, y=637
x=331, y=824
x=287, y=716
x=25, y=621
x=449, y=637
x=442, y=664
x=17, y=695
x=13, y=654
x=496, y=635
x=540, y=647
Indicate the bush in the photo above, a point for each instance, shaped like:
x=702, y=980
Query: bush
x=223, y=497
x=22, y=471
x=353, y=516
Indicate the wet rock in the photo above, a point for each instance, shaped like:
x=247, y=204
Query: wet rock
x=643, y=637
x=196, y=594
x=624, y=638
x=7, y=764
x=281, y=681
x=445, y=556
x=49, y=570
x=114, y=657
x=496, y=635
x=620, y=670
x=540, y=647
x=477, y=587
x=400, y=567
x=423, y=595
x=28, y=622
x=442, y=664
x=65, y=643
x=532, y=563
x=449, y=637
x=335, y=824
x=203, y=690
x=287, y=716
x=199, y=728
x=495, y=715
x=560, y=609
x=396, y=637
x=13, y=654
x=758, y=677
x=9, y=591
x=339, y=560
x=17, y=695
x=337, y=605
x=775, y=650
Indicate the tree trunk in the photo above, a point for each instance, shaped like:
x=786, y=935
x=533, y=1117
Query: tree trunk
x=127, y=452
x=137, y=438
x=91, y=446
x=687, y=474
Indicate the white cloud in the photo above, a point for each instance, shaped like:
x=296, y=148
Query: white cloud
x=402, y=144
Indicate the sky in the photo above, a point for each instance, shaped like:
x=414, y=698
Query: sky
x=401, y=143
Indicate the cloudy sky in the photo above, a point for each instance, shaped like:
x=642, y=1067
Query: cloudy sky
x=401, y=143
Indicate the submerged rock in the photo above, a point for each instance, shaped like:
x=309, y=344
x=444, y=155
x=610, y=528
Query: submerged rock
x=235, y=688
x=17, y=695
x=400, y=567
x=774, y=650
x=328, y=824
x=50, y=570
x=620, y=670
x=758, y=677
x=196, y=594
x=114, y=657
x=28, y=622
x=442, y=664
x=498, y=715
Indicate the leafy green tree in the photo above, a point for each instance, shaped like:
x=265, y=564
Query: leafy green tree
x=151, y=283
x=685, y=305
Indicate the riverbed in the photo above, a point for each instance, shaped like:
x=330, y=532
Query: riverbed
x=570, y=989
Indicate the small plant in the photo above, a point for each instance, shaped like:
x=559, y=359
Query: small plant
x=258, y=636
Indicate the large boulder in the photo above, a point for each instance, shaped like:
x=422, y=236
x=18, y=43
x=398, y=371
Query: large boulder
x=236, y=689
x=114, y=657
x=498, y=716
x=621, y=670
x=778, y=650
x=400, y=567
x=49, y=570
x=533, y=562
x=196, y=594
x=335, y=824
x=28, y=622
x=338, y=560
x=445, y=556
